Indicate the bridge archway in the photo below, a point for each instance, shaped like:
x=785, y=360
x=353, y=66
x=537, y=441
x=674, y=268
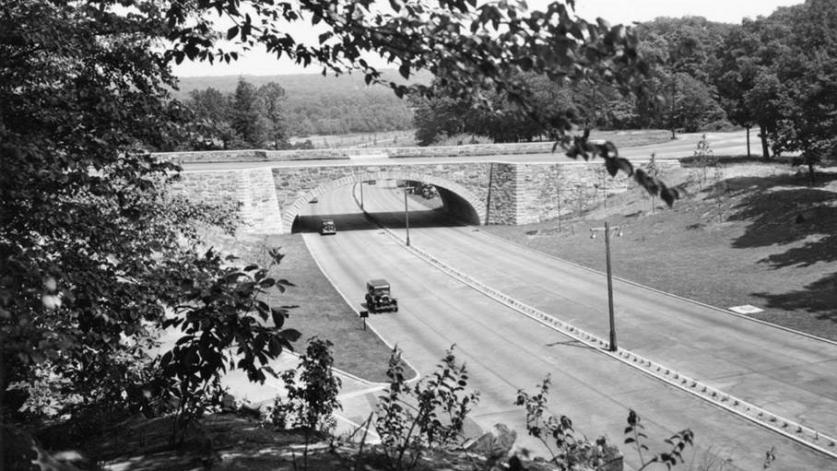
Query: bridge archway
x=457, y=199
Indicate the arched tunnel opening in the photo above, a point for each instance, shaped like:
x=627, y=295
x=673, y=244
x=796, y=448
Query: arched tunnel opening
x=458, y=208
x=382, y=202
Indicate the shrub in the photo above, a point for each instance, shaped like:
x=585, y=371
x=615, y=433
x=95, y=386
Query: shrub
x=430, y=413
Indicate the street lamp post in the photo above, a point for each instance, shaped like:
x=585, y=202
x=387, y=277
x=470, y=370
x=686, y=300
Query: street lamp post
x=406, y=216
x=613, y=346
x=361, y=195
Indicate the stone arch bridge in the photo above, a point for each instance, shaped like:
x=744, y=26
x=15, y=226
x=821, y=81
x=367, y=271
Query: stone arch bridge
x=270, y=198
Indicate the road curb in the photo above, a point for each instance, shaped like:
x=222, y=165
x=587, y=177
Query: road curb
x=357, y=312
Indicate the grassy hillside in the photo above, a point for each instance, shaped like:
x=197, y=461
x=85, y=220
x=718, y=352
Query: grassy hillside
x=301, y=84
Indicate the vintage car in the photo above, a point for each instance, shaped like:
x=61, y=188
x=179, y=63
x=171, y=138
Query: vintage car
x=327, y=227
x=378, y=298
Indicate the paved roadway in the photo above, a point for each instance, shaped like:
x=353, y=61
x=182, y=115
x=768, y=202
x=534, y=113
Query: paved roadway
x=731, y=143
x=789, y=374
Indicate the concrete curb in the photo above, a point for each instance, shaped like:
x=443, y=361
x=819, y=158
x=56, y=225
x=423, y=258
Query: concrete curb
x=786, y=427
x=344, y=373
x=357, y=312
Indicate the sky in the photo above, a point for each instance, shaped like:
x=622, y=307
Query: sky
x=257, y=62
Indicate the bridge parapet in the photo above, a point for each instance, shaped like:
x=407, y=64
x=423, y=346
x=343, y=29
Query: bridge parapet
x=346, y=153
x=514, y=193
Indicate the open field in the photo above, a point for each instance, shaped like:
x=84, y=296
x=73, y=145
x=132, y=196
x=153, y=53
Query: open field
x=634, y=138
x=321, y=311
x=754, y=233
x=371, y=139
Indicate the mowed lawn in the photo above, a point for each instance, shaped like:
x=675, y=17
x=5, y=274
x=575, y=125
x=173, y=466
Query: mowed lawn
x=321, y=311
x=635, y=138
x=756, y=234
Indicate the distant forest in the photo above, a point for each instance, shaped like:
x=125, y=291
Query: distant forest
x=314, y=104
x=772, y=74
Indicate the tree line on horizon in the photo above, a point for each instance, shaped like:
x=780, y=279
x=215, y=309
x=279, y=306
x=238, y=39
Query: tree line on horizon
x=773, y=74
x=269, y=115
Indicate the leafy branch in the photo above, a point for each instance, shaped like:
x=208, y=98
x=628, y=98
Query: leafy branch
x=678, y=443
x=430, y=413
x=582, y=146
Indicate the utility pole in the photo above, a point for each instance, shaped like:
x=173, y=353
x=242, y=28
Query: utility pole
x=361, y=195
x=613, y=346
x=406, y=216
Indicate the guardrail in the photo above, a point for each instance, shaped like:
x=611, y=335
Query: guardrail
x=763, y=417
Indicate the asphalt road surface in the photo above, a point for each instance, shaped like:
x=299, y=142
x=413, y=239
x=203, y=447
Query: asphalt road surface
x=727, y=143
x=787, y=373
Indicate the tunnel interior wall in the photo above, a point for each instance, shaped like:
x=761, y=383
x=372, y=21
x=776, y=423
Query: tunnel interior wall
x=458, y=208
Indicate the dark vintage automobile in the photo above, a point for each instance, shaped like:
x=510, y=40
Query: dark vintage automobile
x=378, y=298
x=327, y=227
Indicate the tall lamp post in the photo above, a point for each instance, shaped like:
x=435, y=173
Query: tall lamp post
x=406, y=216
x=606, y=229
x=361, y=195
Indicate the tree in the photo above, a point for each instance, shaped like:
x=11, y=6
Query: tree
x=78, y=224
x=682, y=50
x=248, y=116
x=694, y=105
x=92, y=247
x=766, y=100
x=212, y=112
x=745, y=74
x=271, y=98
x=735, y=73
x=465, y=46
x=438, y=117
x=778, y=72
x=553, y=105
x=311, y=404
x=808, y=78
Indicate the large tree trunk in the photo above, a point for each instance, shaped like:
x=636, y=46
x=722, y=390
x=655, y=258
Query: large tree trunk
x=748, y=142
x=765, y=149
x=673, y=108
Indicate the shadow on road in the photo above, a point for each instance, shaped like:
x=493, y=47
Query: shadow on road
x=360, y=222
x=571, y=343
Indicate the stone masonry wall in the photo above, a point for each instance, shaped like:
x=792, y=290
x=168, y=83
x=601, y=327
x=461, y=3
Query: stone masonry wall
x=345, y=153
x=546, y=191
x=500, y=193
x=502, y=202
x=251, y=189
x=296, y=185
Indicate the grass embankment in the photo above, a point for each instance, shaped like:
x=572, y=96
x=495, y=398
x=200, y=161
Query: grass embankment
x=756, y=234
x=641, y=137
x=321, y=311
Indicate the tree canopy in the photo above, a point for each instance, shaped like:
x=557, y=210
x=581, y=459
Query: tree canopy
x=95, y=252
x=775, y=73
